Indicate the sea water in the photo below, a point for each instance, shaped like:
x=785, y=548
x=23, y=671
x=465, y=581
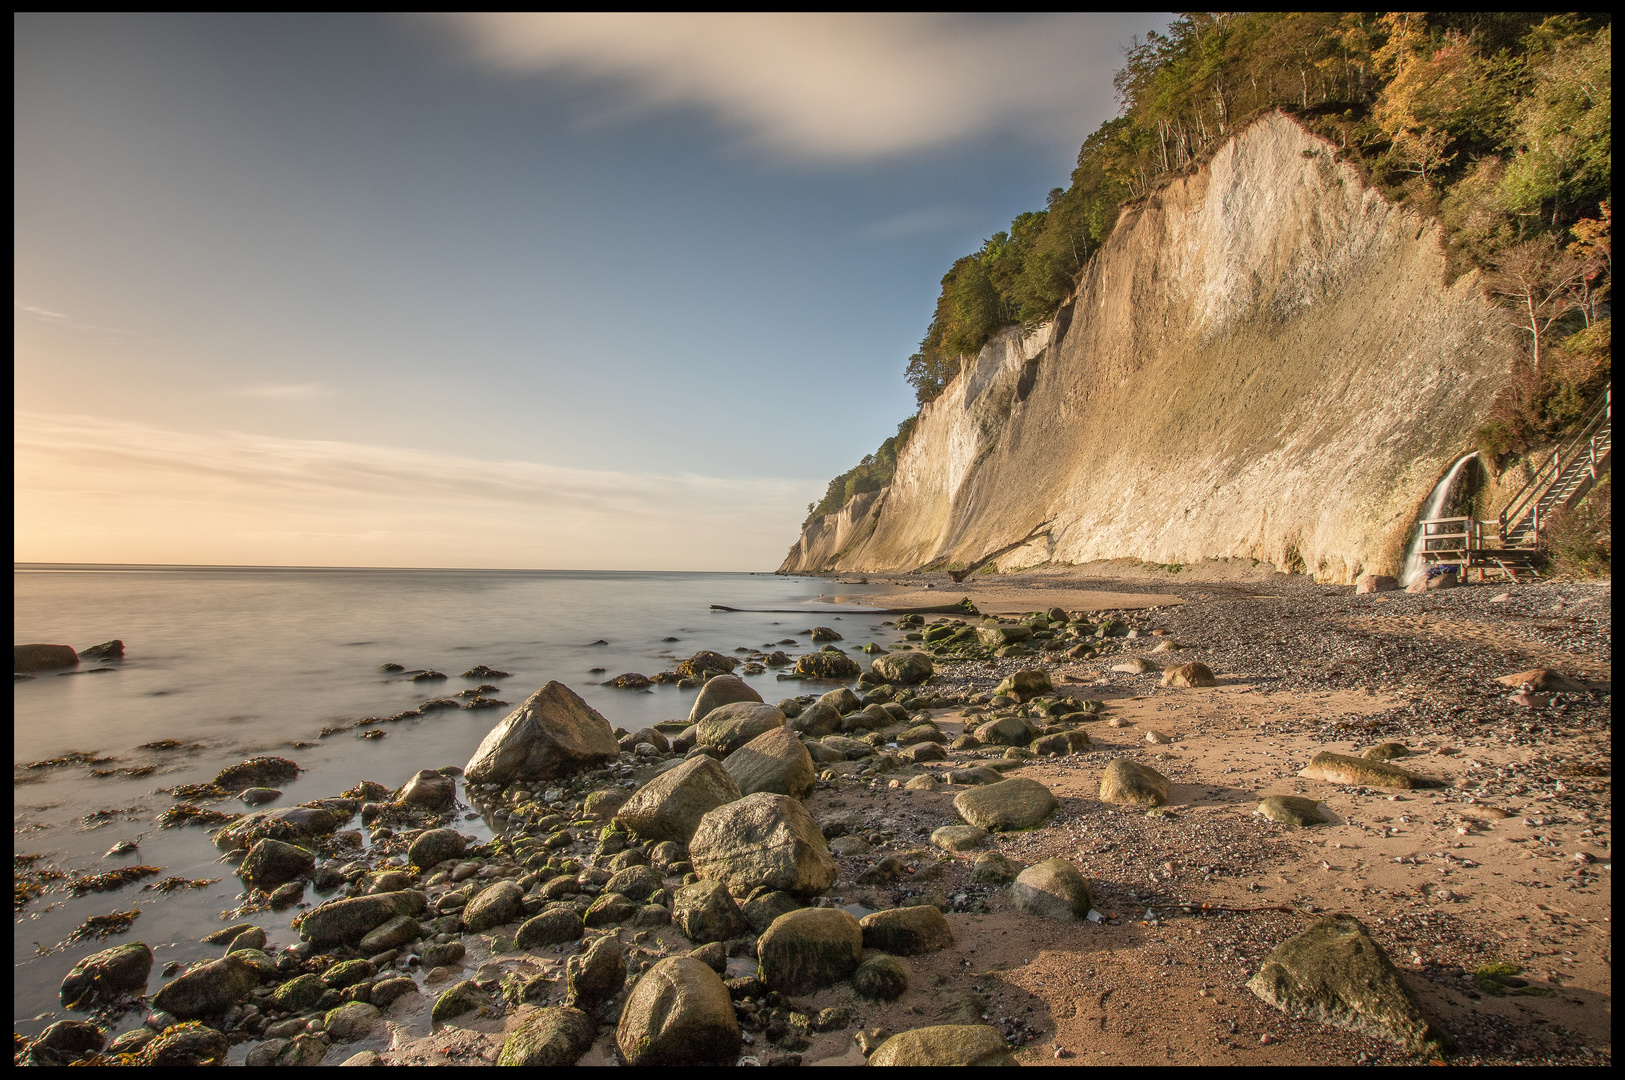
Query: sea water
x=242, y=662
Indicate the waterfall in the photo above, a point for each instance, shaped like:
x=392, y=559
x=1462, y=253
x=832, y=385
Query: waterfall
x=1437, y=501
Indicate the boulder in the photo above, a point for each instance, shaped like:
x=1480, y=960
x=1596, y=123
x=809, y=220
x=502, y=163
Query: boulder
x=981, y=774
x=719, y=691
x=610, y=909
x=762, y=839
x=549, y=1038
x=251, y=938
x=1026, y=684
x=1363, y=772
x=256, y=772
x=991, y=868
x=209, y=988
x=185, y=1045
x=1291, y=810
x=761, y=911
x=853, y=749
x=647, y=737
x=945, y=1044
x=728, y=727
x=429, y=790
x=69, y=1040
x=595, y=975
x=679, y=1013
x=352, y=1021
x=958, y=837
x=347, y=973
x=1371, y=583
x=1062, y=743
x=996, y=636
x=555, y=926
x=270, y=863
x=1336, y=974
x=1006, y=731
x=347, y=921
x=636, y=882
x=906, y=668
x=881, y=978
x=433, y=956
x=1053, y=889
x=391, y=935
x=921, y=752
x=554, y=733
x=604, y=804
x=1192, y=674
x=670, y=806
x=292, y=825
x=705, y=912
x=298, y=994
x=256, y=796
x=1128, y=783
x=907, y=931
x=1137, y=666
x=827, y=665
x=1007, y=806
x=808, y=949
x=774, y=761
x=704, y=663
x=463, y=997
x=921, y=733
x=27, y=658
x=497, y=903
x=431, y=847
x=107, y=650
x=1386, y=751
x=818, y=719
x=842, y=700
x=106, y=976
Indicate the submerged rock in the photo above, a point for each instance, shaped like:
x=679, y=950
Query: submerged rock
x=552, y=734
x=27, y=658
x=256, y=772
x=270, y=863
x=208, y=988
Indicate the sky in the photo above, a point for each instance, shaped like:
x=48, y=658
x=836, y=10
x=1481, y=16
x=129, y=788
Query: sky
x=533, y=291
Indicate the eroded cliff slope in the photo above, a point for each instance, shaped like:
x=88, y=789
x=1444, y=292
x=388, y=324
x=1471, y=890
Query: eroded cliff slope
x=1262, y=361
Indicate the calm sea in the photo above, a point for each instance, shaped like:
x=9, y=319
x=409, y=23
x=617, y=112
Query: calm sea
x=247, y=661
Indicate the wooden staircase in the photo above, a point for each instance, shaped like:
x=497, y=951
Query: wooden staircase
x=1562, y=479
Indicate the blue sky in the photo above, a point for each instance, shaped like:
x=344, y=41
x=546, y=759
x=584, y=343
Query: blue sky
x=290, y=289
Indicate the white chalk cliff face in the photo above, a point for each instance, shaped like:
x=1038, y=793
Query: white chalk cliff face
x=1263, y=361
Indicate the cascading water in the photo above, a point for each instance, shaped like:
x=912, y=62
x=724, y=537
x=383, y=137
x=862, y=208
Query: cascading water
x=1437, y=501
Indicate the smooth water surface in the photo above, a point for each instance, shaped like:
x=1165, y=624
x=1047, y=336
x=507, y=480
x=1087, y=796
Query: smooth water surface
x=250, y=661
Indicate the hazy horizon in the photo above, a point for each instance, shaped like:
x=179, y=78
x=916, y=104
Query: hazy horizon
x=497, y=291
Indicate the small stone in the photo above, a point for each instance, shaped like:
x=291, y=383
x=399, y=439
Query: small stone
x=958, y=837
x=1127, y=782
x=881, y=978
x=1192, y=674
x=1292, y=810
x=991, y=868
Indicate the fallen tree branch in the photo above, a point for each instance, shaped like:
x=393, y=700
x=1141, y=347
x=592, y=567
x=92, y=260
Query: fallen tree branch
x=1041, y=529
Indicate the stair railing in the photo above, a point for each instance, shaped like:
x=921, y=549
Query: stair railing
x=1527, y=501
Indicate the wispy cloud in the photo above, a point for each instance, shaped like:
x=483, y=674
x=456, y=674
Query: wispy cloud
x=822, y=85
x=60, y=319
x=286, y=390
x=89, y=489
x=930, y=220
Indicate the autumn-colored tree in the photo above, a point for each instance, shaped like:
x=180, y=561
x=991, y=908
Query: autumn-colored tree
x=1535, y=282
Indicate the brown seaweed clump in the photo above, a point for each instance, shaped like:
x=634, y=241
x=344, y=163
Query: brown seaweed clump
x=96, y=819
x=187, y=814
x=128, y=770
x=100, y=926
x=176, y=884
x=27, y=882
x=111, y=879
x=200, y=792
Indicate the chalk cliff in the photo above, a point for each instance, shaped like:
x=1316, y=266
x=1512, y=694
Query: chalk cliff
x=1263, y=360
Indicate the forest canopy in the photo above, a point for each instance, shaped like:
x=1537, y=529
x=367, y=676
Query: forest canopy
x=1496, y=123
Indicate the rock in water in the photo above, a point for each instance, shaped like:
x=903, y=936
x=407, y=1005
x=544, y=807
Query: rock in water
x=1026, y=683
x=1128, y=783
x=763, y=839
x=945, y=1044
x=186, y=1045
x=256, y=772
x=270, y=863
x=596, y=975
x=1333, y=972
x=1362, y=772
x=705, y=912
x=430, y=790
x=728, y=727
x=719, y=691
x=552, y=734
x=349, y=920
x=809, y=949
x=1291, y=810
x=1189, y=675
x=209, y=988
x=906, y=668
x=1053, y=889
x=670, y=806
x=107, y=650
x=774, y=761
x=827, y=665
x=679, y=1013
x=291, y=824
x=907, y=931
x=431, y=847
x=1007, y=806
x=107, y=976
x=26, y=658
x=548, y=1038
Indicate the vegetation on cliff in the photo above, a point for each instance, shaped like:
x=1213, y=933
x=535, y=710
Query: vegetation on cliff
x=1497, y=124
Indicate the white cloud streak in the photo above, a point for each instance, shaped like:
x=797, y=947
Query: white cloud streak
x=823, y=85
x=94, y=490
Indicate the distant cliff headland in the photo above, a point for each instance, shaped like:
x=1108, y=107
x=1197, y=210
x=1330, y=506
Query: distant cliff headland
x=1264, y=319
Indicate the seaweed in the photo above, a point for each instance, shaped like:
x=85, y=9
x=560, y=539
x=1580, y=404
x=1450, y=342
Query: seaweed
x=170, y=744
x=26, y=882
x=98, y=818
x=176, y=884
x=100, y=926
x=197, y=792
x=376, y=733
x=110, y=880
x=128, y=770
x=73, y=757
x=187, y=814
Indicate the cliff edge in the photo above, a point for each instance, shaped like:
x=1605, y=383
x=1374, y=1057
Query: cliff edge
x=1262, y=361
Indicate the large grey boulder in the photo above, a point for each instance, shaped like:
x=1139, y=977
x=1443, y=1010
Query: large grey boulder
x=270, y=863
x=705, y=912
x=670, y=806
x=548, y=1038
x=763, y=839
x=552, y=734
x=1006, y=731
x=291, y=824
x=595, y=975
x=718, y=691
x=818, y=719
x=773, y=761
x=107, y=976
x=945, y=1044
x=907, y=931
x=555, y=926
x=809, y=949
x=1007, y=806
x=1128, y=783
x=729, y=727
x=679, y=1013
x=905, y=668
x=345, y=922
x=1053, y=889
x=27, y=658
x=497, y=903
x=1336, y=974
x=431, y=847
x=208, y=989
x=429, y=790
